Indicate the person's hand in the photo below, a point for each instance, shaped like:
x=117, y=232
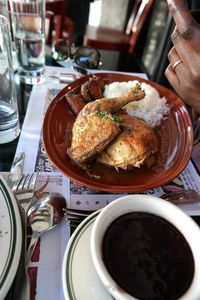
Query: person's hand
x=183, y=72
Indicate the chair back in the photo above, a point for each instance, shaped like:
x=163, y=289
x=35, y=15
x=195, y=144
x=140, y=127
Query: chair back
x=49, y=25
x=63, y=26
x=133, y=15
x=111, y=39
x=59, y=8
x=141, y=15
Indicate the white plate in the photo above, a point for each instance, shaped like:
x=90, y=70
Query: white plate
x=10, y=237
x=79, y=278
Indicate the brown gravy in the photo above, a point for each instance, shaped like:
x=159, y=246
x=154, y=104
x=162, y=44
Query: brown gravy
x=148, y=257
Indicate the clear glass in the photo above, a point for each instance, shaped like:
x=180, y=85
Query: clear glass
x=4, y=8
x=28, y=23
x=9, y=117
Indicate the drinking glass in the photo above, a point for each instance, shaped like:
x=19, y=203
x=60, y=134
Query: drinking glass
x=4, y=8
x=28, y=23
x=9, y=117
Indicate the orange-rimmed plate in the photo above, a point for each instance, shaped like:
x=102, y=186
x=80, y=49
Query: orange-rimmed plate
x=175, y=136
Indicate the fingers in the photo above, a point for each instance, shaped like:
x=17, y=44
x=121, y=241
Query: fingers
x=175, y=69
x=170, y=71
x=181, y=16
x=183, y=71
x=172, y=77
x=186, y=34
x=173, y=56
x=187, y=52
x=185, y=23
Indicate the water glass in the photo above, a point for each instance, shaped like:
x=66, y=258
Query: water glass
x=9, y=117
x=4, y=8
x=28, y=22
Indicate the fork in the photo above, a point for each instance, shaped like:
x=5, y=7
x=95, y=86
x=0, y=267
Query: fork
x=74, y=216
x=23, y=190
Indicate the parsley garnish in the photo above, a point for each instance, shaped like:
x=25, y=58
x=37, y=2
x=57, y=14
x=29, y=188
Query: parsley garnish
x=102, y=114
x=115, y=118
x=136, y=88
x=105, y=114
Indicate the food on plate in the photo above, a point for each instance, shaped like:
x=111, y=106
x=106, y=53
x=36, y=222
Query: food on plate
x=116, y=130
x=96, y=127
x=75, y=101
x=132, y=147
x=90, y=90
x=152, y=108
x=85, y=92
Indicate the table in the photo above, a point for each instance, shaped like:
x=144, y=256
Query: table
x=47, y=259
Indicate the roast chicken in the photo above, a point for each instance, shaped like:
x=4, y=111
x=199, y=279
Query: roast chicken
x=132, y=147
x=96, y=127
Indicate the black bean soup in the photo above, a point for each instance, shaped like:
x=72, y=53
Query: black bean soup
x=148, y=257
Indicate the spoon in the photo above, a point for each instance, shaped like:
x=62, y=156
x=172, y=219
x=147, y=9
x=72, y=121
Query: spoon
x=44, y=215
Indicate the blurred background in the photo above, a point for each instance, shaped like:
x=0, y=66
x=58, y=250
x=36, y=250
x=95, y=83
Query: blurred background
x=104, y=24
x=136, y=32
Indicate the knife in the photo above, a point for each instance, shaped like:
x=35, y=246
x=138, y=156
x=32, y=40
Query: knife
x=16, y=169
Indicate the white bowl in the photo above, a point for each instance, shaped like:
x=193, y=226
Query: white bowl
x=148, y=204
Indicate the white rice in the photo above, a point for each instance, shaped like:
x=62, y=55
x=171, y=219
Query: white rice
x=151, y=109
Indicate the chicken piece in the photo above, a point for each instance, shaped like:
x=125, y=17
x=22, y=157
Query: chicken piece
x=95, y=126
x=75, y=101
x=112, y=105
x=90, y=135
x=132, y=147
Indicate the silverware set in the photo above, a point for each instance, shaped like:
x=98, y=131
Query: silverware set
x=38, y=208
x=23, y=187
